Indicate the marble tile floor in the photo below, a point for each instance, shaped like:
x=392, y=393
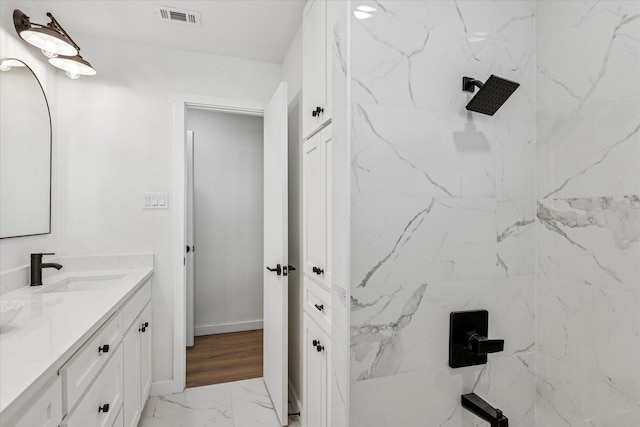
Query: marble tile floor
x=235, y=404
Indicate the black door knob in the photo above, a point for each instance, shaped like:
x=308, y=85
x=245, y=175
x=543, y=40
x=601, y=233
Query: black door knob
x=278, y=269
x=317, y=112
x=287, y=268
x=317, y=270
x=103, y=349
x=104, y=408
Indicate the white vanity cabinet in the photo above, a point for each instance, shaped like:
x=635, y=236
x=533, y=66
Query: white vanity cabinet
x=317, y=152
x=45, y=410
x=316, y=65
x=102, y=402
x=316, y=351
x=118, y=391
x=105, y=382
x=137, y=366
x=80, y=371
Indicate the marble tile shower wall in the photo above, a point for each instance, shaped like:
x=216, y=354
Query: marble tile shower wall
x=442, y=210
x=588, y=213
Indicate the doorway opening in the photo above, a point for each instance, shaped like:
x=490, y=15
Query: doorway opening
x=224, y=246
x=275, y=237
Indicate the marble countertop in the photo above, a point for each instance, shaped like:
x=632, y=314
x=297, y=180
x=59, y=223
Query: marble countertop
x=53, y=326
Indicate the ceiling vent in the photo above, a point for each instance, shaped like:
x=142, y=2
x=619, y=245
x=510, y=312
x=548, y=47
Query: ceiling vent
x=178, y=16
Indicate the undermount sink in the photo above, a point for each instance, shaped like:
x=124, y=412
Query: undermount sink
x=83, y=283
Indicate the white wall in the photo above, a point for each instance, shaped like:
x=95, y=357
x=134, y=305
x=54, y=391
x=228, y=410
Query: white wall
x=14, y=252
x=115, y=133
x=292, y=74
x=113, y=141
x=228, y=206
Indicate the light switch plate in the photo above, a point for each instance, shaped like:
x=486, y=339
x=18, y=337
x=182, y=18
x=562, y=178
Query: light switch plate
x=155, y=201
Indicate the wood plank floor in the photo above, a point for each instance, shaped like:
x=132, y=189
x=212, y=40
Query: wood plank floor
x=223, y=358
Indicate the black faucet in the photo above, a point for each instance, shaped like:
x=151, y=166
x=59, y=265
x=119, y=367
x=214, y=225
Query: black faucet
x=479, y=407
x=36, y=268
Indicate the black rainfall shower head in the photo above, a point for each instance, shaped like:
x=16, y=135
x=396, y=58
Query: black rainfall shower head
x=491, y=95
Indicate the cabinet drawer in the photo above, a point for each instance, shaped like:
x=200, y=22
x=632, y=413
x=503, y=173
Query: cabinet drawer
x=136, y=303
x=45, y=411
x=107, y=390
x=317, y=303
x=82, y=368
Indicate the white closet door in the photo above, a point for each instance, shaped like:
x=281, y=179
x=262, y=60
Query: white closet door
x=276, y=252
x=190, y=258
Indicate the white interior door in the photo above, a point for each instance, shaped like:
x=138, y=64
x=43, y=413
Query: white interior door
x=276, y=252
x=190, y=258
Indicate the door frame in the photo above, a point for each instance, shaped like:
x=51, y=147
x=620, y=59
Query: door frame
x=179, y=220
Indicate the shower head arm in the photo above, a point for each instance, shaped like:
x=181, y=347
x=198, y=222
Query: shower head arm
x=469, y=84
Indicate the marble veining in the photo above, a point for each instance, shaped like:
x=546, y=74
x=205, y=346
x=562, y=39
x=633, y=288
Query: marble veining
x=409, y=240
x=588, y=217
x=407, y=41
x=594, y=241
x=236, y=404
x=611, y=29
x=515, y=237
x=389, y=345
x=405, y=329
x=598, y=162
x=589, y=329
x=453, y=211
x=442, y=208
x=435, y=395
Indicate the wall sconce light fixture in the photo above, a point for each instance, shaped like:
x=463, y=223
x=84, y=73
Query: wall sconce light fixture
x=55, y=43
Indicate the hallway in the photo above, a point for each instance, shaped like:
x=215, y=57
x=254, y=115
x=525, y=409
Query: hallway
x=223, y=358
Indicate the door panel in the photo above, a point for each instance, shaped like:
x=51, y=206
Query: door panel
x=276, y=251
x=190, y=258
x=314, y=205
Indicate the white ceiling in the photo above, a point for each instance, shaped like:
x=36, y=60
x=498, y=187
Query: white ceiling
x=254, y=29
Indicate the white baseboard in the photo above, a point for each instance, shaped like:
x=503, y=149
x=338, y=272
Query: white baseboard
x=227, y=327
x=296, y=402
x=162, y=388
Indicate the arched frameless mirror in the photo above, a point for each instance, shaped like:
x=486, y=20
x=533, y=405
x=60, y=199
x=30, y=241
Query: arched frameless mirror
x=25, y=152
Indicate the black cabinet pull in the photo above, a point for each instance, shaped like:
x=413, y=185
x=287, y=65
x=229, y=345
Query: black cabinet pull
x=104, y=408
x=317, y=345
x=317, y=112
x=142, y=329
x=104, y=349
x=317, y=270
x=278, y=269
x=320, y=307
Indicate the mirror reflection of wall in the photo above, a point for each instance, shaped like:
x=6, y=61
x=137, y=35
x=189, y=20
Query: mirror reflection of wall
x=25, y=152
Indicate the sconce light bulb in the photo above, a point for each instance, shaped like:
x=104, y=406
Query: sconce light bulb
x=48, y=53
x=72, y=76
